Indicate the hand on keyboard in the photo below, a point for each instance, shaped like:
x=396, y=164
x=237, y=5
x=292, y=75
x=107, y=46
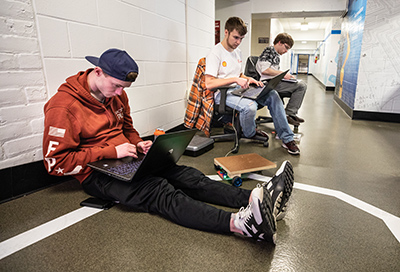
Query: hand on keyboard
x=125, y=150
x=144, y=146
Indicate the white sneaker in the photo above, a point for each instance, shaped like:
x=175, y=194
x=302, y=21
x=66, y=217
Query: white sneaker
x=257, y=220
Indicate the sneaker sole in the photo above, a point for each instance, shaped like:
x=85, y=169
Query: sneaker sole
x=281, y=201
x=269, y=224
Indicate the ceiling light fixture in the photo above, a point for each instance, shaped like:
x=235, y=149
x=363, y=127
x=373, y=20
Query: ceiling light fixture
x=304, y=25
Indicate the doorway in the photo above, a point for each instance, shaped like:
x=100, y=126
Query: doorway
x=303, y=63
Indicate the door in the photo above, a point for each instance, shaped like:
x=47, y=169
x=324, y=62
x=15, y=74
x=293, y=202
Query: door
x=302, y=64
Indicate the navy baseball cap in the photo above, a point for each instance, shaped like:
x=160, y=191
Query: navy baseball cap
x=116, y=63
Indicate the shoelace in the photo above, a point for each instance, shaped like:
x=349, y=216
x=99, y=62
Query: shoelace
x=266, y=184
x=245, y=212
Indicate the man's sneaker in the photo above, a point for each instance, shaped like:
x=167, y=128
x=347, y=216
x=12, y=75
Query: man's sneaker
x=257, y=220
x=298, y=119
x=259, y=133
x=291, y=147
x=280, y=188
x=292, y=121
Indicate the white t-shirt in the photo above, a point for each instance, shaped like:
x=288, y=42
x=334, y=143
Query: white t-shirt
x=221, y=63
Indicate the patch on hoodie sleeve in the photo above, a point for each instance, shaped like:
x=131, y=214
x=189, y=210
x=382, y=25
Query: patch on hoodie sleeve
x=56, y=132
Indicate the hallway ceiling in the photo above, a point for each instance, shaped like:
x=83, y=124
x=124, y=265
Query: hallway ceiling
x=314, y=23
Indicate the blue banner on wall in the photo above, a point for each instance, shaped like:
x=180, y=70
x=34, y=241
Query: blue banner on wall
x=350, y=52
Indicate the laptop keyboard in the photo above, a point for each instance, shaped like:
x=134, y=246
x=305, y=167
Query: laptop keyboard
x=126, y=168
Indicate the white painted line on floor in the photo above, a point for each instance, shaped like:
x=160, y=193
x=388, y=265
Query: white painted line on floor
x=391, y=221
x=34, y=235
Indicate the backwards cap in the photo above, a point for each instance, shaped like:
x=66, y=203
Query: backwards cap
x=116, y=63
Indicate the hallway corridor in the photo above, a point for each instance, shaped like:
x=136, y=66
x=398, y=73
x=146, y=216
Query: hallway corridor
x=347, y=182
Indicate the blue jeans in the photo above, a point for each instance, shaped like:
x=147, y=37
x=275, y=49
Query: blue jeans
x=247, y=109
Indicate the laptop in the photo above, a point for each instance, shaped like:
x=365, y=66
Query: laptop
x=292, y=80
x=256, y=92
x=163, y=153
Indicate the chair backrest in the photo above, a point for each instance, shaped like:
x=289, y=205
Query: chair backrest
x=250, y=68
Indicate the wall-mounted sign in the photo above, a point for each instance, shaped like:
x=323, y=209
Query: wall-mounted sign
x=263, y=40
x=217, y=31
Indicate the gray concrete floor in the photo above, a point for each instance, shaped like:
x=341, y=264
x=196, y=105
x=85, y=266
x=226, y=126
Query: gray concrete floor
x=319, y=233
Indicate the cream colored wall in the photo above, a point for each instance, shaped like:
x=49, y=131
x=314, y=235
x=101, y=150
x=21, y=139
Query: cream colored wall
x=260, y=28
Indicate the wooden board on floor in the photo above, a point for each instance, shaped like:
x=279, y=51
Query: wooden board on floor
x=246, y=163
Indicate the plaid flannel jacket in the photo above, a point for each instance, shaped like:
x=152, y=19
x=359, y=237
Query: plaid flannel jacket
x=200, y=106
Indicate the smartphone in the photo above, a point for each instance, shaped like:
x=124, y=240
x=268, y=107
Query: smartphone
x=98, y=203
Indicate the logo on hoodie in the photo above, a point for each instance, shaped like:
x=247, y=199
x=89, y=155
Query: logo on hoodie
x=120, y=113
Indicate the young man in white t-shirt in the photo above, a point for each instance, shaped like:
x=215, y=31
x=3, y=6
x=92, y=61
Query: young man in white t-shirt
x=223, y=68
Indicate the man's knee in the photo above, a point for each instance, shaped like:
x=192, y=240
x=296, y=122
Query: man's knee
x=302, y=86
x=251, y=108
x=273, y=97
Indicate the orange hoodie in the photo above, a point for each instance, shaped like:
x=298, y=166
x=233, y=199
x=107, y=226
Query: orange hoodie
x=79, y=129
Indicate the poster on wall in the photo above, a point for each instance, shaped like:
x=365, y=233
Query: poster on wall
x=217, y=31
x=350, y=52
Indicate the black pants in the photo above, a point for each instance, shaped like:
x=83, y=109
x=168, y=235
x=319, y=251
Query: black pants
x=177, y=194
